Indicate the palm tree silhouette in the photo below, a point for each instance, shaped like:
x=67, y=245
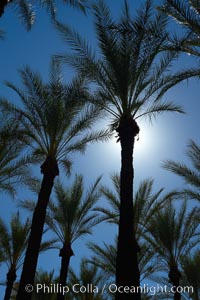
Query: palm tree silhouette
x=88, y=275
x=54, y=118
x=173, y=234
x=70, y=217
x=146, y=203
x=131, y=75
x=13, y=243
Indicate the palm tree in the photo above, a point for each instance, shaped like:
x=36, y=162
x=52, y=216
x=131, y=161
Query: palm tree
x=190, y=174
x=145, y=204
x=105, y=259
x=13, y=243
x=173, y=235
x=27, y=11
x=70, y=217
x=89, y=277
x=45, y=280
x=191, y=273
x=54, y=117
x=131, y=75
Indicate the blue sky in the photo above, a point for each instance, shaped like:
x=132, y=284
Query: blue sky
x=165, y=139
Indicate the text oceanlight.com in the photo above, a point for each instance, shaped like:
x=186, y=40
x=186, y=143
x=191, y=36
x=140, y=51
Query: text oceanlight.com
x=56, y=288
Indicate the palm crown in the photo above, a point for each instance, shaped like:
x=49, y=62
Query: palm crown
x=53, y=115
x=130, y=74
x=71, y=216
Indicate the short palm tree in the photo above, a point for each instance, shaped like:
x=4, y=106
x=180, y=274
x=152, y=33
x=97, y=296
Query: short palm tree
x=131, y=75
x=105, y=259
x=45, y=279
x=54, y=118
x=191, y=273
x=71, y=217
x=89, y=277
x=146, y=203
x=190, y=174
x=173, y=235
x=13, y=243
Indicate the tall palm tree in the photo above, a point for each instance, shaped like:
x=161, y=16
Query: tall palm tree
x=13, y=243
x=173, y=235
x=131, y=75
x=70, y=217
x=54, y=117
x=190, y=174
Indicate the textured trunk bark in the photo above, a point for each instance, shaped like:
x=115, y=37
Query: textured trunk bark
x=127, y=271
x=66, y=252
x=50, y=171
x=174, y=277
x=11, y=277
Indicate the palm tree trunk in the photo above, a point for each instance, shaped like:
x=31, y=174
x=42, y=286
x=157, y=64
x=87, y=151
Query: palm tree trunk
x=174, y=277
x=3, y=3
x=66, y=252
x=11, y=277
x=50, y=171
x=127, y=271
